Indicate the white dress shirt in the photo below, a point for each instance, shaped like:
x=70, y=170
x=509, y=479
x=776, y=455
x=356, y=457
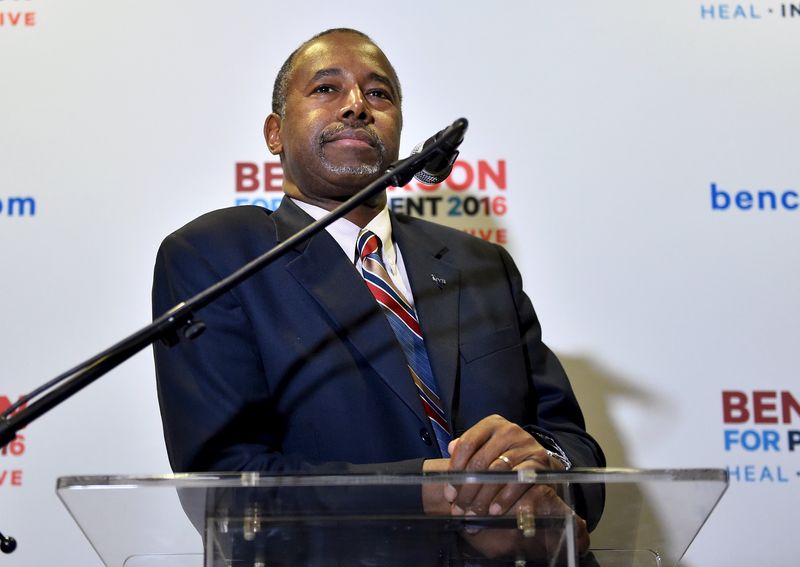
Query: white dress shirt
x=346, y=235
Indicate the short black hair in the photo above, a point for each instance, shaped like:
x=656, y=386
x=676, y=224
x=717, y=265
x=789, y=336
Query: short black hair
x=281, y=86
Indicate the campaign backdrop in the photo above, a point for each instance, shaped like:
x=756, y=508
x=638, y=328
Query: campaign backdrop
x=638, y=159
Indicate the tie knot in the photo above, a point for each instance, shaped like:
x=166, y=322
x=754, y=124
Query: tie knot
x=369, y=243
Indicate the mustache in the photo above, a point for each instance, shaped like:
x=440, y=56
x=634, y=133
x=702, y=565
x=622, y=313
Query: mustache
x=332, y=133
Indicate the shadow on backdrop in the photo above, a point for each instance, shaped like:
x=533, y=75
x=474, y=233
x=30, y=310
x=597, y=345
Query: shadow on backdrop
x=628, y=516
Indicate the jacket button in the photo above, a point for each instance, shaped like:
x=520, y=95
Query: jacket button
x=426, y=437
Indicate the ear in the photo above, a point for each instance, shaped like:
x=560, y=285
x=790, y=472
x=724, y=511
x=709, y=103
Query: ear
x=272, y=134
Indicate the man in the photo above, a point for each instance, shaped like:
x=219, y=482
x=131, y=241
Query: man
x=300, y=369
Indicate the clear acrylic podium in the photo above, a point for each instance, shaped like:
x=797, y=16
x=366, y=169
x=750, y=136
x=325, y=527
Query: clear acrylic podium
x=254, y=520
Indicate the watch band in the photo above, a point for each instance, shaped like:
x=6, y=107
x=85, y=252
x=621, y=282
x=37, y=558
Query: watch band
x=553, y=449
x=562, y=458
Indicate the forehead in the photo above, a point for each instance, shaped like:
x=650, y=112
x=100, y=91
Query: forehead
x=344, y=51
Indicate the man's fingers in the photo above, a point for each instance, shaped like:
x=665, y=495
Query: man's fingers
x=509, y=494
x=479, y=498
x=451, y=447
x=485, y=441
x=464, y=448
x=493, y=444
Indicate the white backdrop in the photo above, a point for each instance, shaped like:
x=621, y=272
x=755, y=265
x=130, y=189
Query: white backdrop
x=123, y=120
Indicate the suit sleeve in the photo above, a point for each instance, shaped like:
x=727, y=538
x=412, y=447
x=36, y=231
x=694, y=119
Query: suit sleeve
x=213, y=393
x=556, y=414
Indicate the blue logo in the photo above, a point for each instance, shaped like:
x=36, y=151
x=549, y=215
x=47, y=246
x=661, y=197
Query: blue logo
x=759, y=200
x=17, y=206
x=748, y=11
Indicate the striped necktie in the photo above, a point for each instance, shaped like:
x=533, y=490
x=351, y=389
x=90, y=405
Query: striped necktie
x=403, y=320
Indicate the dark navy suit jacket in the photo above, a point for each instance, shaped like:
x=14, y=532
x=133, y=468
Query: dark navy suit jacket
x=299, y=370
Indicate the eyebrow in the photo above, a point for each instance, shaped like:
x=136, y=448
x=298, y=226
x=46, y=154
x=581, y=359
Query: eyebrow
x=322, y=73
x=336, y=72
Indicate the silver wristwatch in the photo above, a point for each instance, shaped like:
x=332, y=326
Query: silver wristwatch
x=553, y=449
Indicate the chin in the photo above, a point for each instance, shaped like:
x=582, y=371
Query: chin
x=354, y=170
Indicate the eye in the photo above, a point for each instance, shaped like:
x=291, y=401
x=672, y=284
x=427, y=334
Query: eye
x=323, y=89
x=380, y=93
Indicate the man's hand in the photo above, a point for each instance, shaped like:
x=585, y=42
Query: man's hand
x=494, y=444
x=540, y=501
x=433, y=501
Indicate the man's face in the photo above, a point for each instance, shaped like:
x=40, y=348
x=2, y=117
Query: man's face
x=342, y=119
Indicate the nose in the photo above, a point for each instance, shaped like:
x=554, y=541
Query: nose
x=355, y=108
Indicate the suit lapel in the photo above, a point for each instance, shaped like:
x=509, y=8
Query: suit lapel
x=330, y=278
x=435, y=284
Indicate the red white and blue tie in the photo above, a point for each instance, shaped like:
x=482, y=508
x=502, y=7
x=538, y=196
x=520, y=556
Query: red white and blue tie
x=403, y=320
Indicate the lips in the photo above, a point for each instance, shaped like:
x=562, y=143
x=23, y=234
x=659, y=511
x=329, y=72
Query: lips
x=354, y=135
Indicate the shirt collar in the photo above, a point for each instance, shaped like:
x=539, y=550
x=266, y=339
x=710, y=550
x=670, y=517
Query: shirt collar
x=346, y=233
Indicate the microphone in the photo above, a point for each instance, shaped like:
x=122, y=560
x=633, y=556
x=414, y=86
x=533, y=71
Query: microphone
x=437, y=170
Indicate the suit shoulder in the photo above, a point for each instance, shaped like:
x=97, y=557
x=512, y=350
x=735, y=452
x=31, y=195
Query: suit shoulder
x=232, y=224
x=226, y=220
